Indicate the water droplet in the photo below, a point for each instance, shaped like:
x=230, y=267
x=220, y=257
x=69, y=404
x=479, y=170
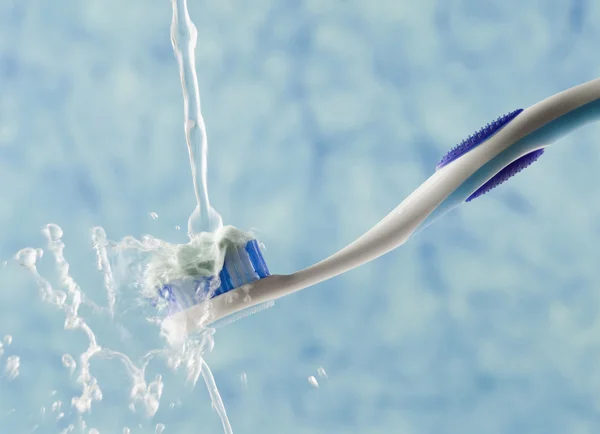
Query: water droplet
x=126, y=430
x=244, y=379
x=27, y=257
x=68, y=362
x=81, y=404
x=72, y=322
x=160, y=427
x=177, y=228
x=56, y=405
x=60, y=297
x=11, y=368
x=322, y=373
x=68, y=429
x=313, y=381
x=53, y=231
x=8, y=339
x=153, y=215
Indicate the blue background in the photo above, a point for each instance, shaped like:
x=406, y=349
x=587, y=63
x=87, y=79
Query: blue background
x=322, y=116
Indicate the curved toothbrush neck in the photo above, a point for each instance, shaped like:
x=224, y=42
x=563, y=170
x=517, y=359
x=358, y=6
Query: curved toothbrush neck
x=391, y=232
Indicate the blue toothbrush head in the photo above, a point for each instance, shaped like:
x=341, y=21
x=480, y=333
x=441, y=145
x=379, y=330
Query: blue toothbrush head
x=477, y=138
x=243, y=263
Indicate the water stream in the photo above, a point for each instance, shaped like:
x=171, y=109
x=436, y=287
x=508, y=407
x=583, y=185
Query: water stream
x=184, y=37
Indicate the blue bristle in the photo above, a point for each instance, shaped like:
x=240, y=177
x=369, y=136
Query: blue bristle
x=256, y=258
x=225, y=280
x=509, y=171
x=183, y=294
x=477, y=138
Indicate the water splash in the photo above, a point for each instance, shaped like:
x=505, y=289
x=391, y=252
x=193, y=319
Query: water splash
x=100, y=244
x=56, y=406
x=130, y=269
x=184, y=37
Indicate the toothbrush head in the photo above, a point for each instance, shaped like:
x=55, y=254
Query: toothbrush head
x=477, y=138
x=242, y=263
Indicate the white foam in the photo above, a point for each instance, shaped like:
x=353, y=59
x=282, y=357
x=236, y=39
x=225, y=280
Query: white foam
x=202, y=256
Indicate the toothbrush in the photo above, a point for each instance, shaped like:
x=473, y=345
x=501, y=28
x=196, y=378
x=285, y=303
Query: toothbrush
x=477, y=165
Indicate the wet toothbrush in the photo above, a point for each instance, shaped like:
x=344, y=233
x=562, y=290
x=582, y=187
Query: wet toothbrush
x=480, y=163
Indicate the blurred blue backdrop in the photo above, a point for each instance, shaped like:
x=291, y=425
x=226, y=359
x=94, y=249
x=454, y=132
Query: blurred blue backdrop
x=322, y=116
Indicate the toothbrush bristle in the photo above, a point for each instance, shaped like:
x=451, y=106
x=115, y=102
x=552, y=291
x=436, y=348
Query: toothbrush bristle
x=509, y=171
x=477, y=138
x=242, y=265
